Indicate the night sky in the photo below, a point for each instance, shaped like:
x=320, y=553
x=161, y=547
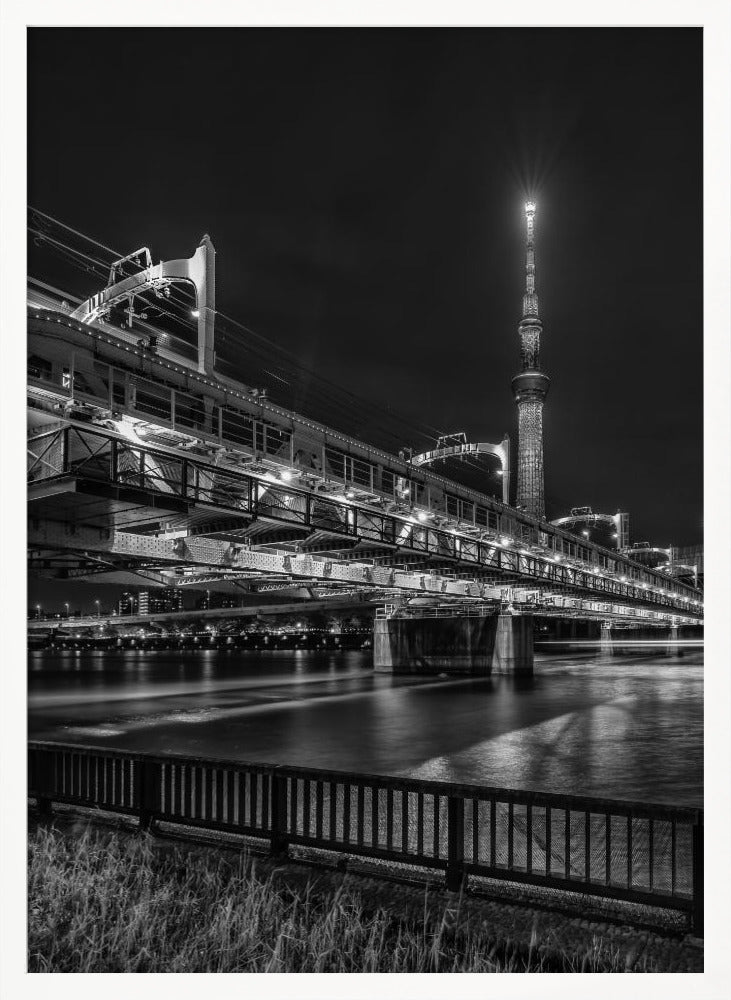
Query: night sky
x=364, y=190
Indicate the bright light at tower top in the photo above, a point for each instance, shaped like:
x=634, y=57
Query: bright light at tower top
x=530, y=208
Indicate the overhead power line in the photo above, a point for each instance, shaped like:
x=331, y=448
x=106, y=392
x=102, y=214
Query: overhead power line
x=247, y=352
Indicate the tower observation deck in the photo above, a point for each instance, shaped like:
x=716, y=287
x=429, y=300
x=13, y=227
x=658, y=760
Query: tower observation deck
x=530, y=387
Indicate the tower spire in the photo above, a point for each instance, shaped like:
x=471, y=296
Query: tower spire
x=530, y=299
x=530, y=387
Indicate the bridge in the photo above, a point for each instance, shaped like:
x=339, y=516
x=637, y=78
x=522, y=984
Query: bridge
x=145, y=463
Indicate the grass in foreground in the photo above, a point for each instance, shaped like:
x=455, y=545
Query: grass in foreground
x=101, y=901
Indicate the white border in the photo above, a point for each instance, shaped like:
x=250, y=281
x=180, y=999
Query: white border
x=713, y=15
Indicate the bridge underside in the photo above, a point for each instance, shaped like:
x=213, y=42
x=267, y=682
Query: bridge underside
x=104, y=553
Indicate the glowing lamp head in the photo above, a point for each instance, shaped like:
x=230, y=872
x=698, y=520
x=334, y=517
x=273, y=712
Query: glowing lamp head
x=530, y=208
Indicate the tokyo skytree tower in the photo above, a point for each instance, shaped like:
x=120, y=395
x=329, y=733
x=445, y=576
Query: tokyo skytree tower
x=530, y=388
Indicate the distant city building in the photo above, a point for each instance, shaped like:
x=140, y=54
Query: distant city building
x=127, y=604
x=213, y=599
x=162, y=600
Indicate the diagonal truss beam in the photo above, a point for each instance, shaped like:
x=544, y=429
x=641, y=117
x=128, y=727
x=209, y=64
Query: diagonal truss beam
x=213, y=553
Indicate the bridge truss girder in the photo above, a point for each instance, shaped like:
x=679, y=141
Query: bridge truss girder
x=211, y=553
x=142, y=490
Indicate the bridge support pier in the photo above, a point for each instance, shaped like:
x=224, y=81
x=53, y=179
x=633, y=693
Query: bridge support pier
x=672, y=647
x=513, y=652
x=605, y=640
x=498, y=644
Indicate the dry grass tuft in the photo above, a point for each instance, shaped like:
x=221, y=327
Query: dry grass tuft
x=104, y=902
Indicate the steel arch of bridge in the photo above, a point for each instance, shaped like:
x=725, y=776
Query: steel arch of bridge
x=619, y=521
x=500, y=451
x=198, y=270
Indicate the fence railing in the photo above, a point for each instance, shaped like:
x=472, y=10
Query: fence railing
x=645, y=853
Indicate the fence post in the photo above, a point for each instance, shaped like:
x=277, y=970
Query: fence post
x=279, y=842
x=65, y=448
x=146, y=775
x=44, y=783
x=455, y=843
x=698, y=895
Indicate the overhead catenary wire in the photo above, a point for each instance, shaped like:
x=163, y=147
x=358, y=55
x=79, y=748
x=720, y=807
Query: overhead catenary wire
x=258, y=356
x=100, y=268
x=426, y=430
x=321, y=392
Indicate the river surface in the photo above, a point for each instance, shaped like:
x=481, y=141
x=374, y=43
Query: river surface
x=630, y=727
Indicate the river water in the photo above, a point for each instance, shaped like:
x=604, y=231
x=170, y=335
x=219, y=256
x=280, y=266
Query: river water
x=630, y=727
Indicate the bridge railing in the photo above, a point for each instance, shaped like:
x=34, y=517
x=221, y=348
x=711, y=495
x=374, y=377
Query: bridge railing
x=651, y=854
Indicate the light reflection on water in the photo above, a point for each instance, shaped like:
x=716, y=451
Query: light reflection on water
x=628, y=727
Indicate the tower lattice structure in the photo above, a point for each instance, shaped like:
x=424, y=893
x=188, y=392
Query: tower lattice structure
x=530, y=387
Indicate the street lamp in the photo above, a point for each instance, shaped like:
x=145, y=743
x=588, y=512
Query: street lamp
x=98, y=612
x=38, y=611
x=66, y=605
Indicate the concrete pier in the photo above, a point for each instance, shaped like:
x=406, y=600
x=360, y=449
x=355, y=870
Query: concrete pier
x=672, y=647
x=513, y=651
x=498, y=644
x=647, y=640
x=605, y=640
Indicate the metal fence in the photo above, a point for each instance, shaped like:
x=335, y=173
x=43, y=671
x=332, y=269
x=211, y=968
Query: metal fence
x=650, y=854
